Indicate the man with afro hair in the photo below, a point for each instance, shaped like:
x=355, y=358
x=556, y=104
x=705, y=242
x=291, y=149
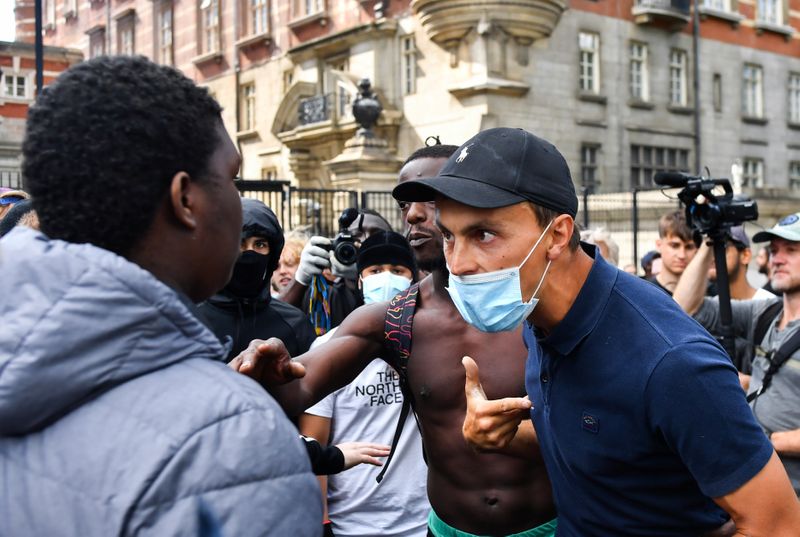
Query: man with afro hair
x=117, y=415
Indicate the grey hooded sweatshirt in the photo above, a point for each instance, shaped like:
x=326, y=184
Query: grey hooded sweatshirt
x=117, y=416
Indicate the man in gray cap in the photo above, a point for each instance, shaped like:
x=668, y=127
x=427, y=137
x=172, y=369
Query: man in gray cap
x=768, y=324
x=637, y=411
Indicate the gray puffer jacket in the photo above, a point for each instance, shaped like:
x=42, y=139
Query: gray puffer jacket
x=117, y=416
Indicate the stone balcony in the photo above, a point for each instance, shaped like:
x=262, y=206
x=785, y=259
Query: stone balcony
x=448, y=21
x=670, y=15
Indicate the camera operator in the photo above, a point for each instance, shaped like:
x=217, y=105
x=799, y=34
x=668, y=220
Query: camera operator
x=775, y=386
x=318, y=259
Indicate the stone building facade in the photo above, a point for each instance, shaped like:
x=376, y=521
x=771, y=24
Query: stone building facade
x=610, y=82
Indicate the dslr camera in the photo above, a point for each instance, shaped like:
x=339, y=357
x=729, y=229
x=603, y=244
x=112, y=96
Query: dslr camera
x=706, y=212
x=344, y=244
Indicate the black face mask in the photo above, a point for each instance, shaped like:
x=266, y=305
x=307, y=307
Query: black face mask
x=249, y=275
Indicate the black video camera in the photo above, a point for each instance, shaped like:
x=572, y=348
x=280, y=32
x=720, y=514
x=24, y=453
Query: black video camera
x=344, y=245
x=718, y=213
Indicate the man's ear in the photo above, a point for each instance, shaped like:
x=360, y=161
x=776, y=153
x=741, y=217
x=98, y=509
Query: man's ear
x=745, y=256
x=563, y=227
x=182, y=196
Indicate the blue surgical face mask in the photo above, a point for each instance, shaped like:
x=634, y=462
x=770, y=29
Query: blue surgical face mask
x=382, y=287
x=492, y=301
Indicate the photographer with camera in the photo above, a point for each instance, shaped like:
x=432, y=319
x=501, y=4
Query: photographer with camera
x=324, y=285
x=772, y=328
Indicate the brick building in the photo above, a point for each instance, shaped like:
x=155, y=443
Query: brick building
x=17, y=91
x=610, y=82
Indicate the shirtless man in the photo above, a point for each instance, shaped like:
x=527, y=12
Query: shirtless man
x=477, y=493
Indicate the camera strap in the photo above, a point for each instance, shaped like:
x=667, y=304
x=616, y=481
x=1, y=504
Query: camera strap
x=775, y=357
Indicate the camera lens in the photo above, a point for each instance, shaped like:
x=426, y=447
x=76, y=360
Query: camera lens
x=346, y=253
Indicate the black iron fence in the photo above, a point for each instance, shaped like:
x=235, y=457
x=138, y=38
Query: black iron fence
x=317, y=210
x=630, y=217
x=10, y=179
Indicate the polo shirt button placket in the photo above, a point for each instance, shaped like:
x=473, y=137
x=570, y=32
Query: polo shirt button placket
x=544, y=379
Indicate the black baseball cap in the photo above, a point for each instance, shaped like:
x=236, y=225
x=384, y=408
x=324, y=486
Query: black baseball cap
x=500, y=167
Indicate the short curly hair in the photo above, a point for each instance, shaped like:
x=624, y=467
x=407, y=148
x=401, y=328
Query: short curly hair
x=103, y=143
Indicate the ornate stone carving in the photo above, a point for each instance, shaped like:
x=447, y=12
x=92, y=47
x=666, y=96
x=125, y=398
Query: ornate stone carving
x=448, y=21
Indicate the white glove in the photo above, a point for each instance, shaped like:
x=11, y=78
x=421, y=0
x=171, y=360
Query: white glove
x=348, y=272
x=313, y=259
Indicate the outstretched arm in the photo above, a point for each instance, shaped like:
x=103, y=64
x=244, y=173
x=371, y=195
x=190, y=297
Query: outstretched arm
x=691, y=287
x=300, y=382
x=497, y=425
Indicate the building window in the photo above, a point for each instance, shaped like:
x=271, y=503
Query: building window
x=306, y=8
x=794, y=175
x=15, y=85
x=70, y=9
x=716, y=92
x=770, y=11
x=288, y=80
x=97, y=43
x=409, y=65
x=125, y=35
x=164, y=34
x=753, y=172
x=639, y=77
x=678, y=94
x=257, y=17
x=753, y=94
x=249, y=107
x=647, y=160
x=794, y=97
x=719, y=5
x=589, y=165
x=209, y=21
x=269, y=174
x=589, y=64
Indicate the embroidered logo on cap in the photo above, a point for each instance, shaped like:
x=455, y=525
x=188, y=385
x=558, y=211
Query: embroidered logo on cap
x=590, y=423
x=789, y=220
x=464, y=154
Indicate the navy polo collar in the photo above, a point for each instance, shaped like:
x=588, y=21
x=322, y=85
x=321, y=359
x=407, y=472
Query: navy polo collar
x=585, y=312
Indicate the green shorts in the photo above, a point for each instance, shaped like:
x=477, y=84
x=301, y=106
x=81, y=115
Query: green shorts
x=439, y=528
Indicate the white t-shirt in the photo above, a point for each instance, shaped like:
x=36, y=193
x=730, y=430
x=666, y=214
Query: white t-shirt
x=762, y=294
x=367, y=410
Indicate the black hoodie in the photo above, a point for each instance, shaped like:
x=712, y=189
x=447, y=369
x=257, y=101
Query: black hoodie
x=243, y=319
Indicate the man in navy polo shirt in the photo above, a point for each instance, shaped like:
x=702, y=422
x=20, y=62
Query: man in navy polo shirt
x=637, y=410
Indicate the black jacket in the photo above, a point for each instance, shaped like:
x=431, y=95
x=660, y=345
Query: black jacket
x=244, y=319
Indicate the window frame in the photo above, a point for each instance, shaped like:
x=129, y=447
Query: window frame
x=793, y=91
x=15, y=77
x=753, y=91
x=408, y=64
x=770, y=12
x=678, y=77
x=757, y=175
x=165, y=49
x=249, y=106
x=794, y=175
x=590, y=166
x=644, y=75
x=589, y=63
x=647, y=160
x=210, y=34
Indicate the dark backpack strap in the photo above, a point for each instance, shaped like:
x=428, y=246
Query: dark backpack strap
x=397, y=341
x=765, y=319
x=777, y=357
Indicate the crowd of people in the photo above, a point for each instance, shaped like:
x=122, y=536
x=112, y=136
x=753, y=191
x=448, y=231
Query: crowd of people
x=174, y=362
